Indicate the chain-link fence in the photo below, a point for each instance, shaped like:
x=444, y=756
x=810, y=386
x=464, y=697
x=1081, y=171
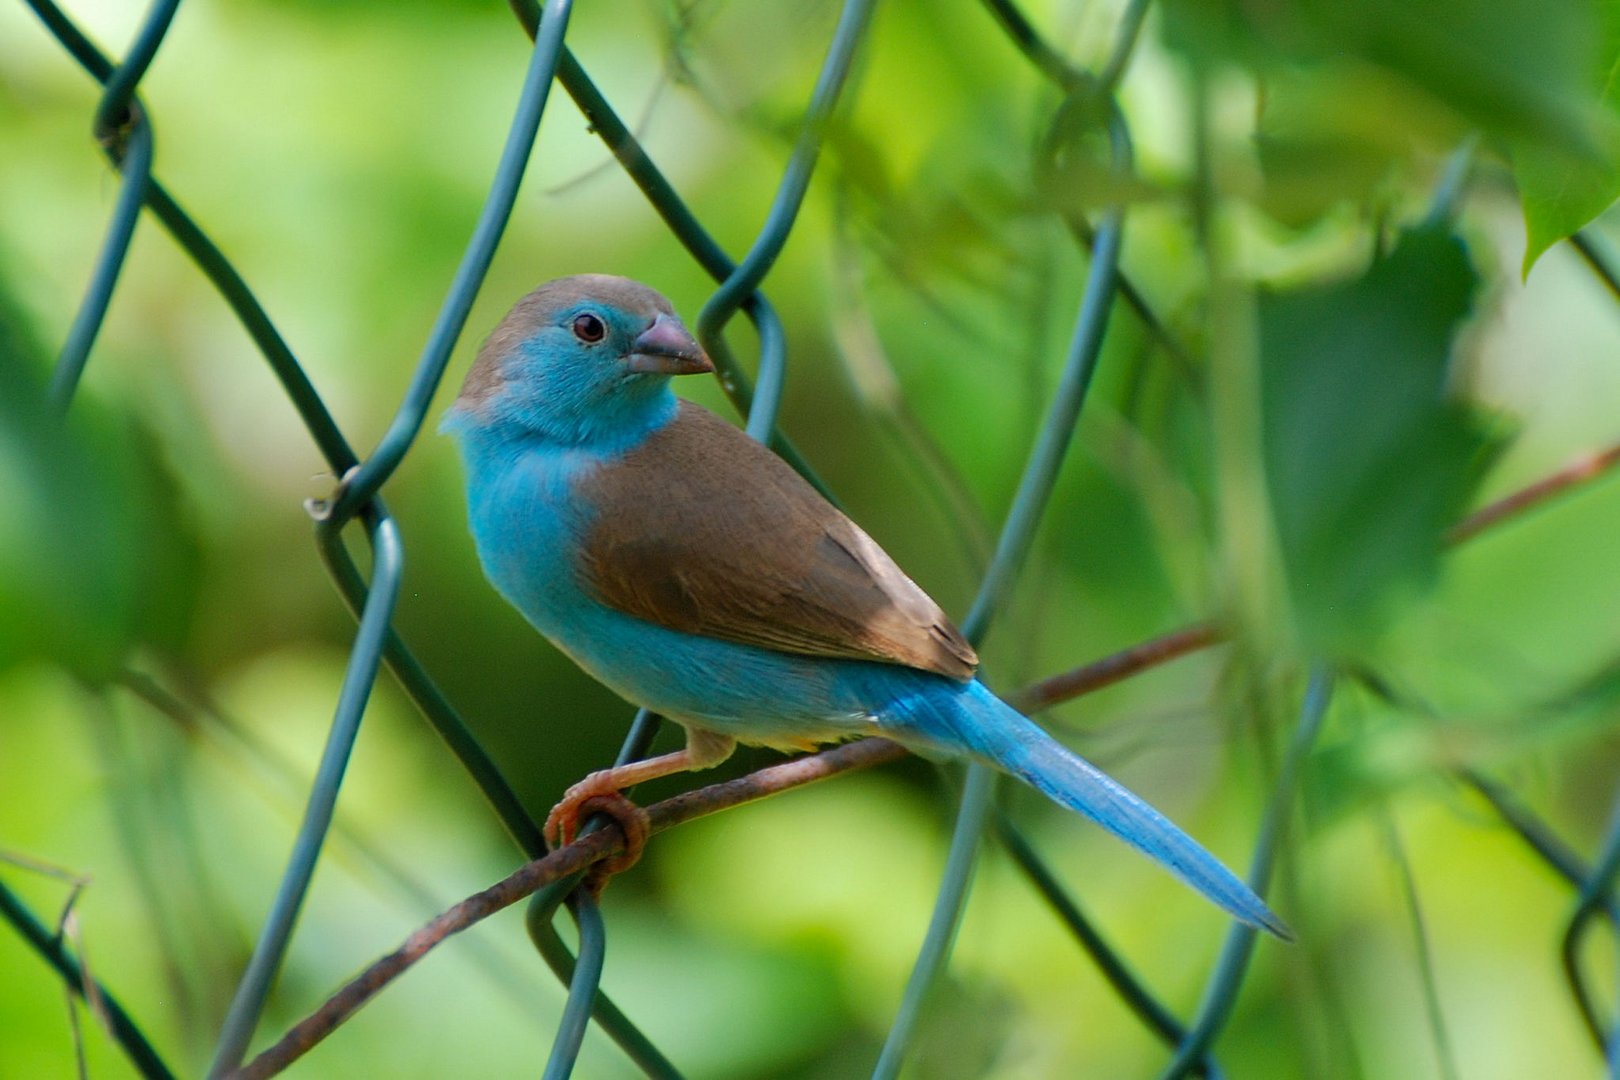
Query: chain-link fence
x=1085, y=109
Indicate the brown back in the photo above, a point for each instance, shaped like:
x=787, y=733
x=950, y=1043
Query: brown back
x=703, y=530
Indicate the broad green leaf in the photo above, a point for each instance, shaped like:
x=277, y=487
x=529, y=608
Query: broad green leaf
x=1562, y=189
x=1368, y=458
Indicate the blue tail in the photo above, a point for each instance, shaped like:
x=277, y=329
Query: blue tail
x=998, y=735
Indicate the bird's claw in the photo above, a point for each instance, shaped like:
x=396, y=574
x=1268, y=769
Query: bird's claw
x=592, y=796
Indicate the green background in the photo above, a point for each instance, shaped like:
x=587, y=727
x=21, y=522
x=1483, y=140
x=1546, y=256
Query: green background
x=1291, y=473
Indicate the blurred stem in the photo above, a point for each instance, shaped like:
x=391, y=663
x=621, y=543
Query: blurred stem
x=1243, y=506
x=742, y=282
x=1420, y=933
x=1453, y=182
x=389, y=875
x=1587, y=247
x=1079, y=84
x=859, y=346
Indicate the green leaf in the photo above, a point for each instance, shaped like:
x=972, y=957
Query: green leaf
x=1537, y=77
x=1504, y=65
x=1563, y=188
x=1367, y=457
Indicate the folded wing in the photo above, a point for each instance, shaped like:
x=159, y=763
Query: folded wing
x=701, y=529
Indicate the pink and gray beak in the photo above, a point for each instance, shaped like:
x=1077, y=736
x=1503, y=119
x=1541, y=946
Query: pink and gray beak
x=666, y=348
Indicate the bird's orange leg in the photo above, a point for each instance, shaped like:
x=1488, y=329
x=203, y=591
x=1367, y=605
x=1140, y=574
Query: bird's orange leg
x=600, y=791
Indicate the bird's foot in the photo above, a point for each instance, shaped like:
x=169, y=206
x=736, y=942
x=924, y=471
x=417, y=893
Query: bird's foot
x=596, y=795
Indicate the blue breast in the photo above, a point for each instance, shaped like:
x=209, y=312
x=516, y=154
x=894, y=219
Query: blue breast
x=529, y=522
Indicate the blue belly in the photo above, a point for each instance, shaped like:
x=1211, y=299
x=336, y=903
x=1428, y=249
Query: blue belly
x=527, y=526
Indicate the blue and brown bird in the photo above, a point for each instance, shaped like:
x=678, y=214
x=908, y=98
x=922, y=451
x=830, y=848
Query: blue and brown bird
x=695, y=573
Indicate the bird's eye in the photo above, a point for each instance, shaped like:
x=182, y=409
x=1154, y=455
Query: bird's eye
x=589, y=329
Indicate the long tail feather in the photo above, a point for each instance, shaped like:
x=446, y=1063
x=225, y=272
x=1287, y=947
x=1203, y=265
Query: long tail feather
x=1000, y=736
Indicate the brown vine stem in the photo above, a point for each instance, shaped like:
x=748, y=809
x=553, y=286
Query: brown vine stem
x=1582, y=470
x=559, y=864
x=582, y=853
x=1111, y=669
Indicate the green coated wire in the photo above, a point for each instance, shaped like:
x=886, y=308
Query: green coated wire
x=538, y=919
x=440, y=714
x=113, y=111
x=1558, y=855
x=219, y=271
x=1034, y=491
x=1220, y=994
x=1113, y=967
x=136, y=165
x=248, y=1002
x=746, y=277
x=1130, y=28
x=1596, y=894
x=1079, y=86
x=582, y=975
x=977, y=795
x=582, y=990
x=329, y=440
x=677, y=216
x=134, y=160
x=733, y=292
x=452, y=318
x=1051, y=63
x=397, y=441
x=174, y=699
x=359, y=486
x=49, y=946
x=1035, y=488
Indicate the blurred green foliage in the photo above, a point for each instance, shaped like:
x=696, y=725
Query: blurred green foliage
x=339, y=153
x=1369, y=461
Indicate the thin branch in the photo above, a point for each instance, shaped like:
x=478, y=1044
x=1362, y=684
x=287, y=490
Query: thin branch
x=566, y=861
x=1582, y=470
x=1116, y=667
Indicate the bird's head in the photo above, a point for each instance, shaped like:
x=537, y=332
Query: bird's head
x=579, y=358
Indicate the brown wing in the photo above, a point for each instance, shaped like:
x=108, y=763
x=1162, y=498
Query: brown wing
x=703, y=530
